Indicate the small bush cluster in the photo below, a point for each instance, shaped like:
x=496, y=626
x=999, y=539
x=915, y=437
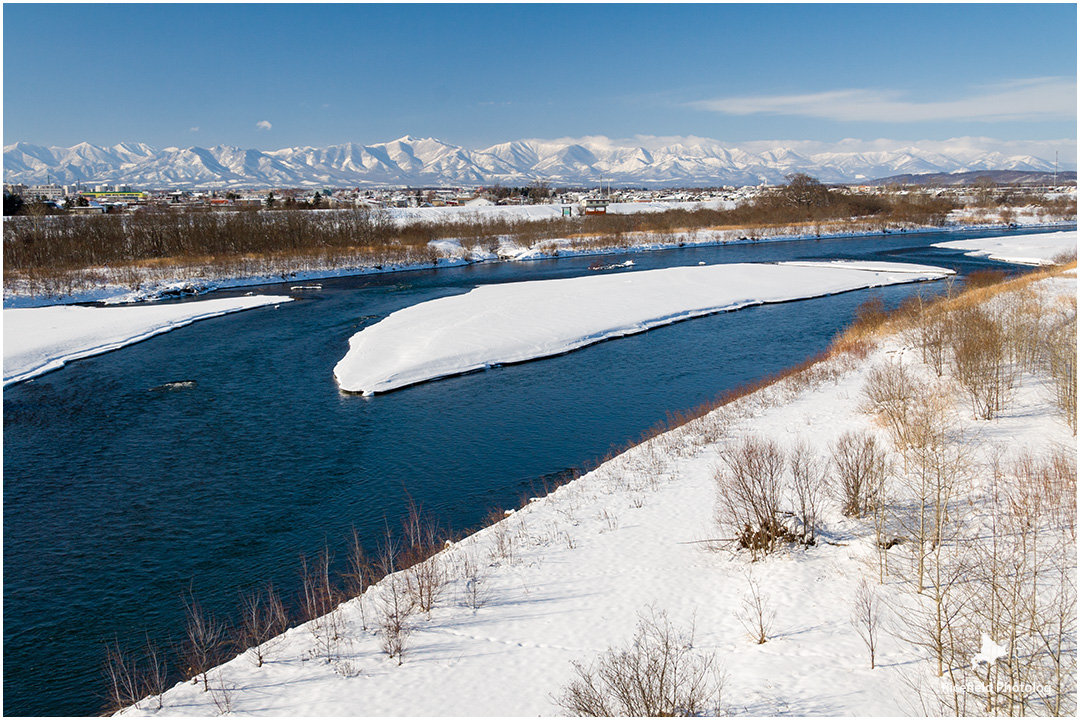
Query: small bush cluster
x=658, y=673
x=860, y=471
x=756, y=485
x=987, y=339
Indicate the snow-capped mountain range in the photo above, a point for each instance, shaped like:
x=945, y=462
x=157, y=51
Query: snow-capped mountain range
x=425, y=162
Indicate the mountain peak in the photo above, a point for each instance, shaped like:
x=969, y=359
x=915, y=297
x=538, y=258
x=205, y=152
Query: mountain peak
x=410, y=160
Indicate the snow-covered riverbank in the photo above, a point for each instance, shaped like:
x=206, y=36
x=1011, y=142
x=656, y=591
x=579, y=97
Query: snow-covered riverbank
x=571, y=574
x=108, y=287
x=515, y=322
x=1041, y=249
x=37, y=340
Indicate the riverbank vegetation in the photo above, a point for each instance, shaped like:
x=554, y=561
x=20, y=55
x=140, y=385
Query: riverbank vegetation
x=63, y=254
x=912, y=498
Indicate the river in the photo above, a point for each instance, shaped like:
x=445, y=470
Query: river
x=119, y=497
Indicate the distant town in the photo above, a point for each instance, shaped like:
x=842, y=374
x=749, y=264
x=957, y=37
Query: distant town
x=114, y=198
x=119, y=198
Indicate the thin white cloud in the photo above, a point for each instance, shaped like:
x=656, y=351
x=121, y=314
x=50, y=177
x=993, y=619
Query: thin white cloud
x=263, y=125
x=1049, y=98
x=193, y=129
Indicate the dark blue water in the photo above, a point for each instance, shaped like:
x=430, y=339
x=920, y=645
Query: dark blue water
x=119, y=498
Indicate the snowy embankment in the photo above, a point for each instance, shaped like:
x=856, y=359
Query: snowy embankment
x=569, y=575
x=515, y=322
x=1040, y=249
x=37, y=340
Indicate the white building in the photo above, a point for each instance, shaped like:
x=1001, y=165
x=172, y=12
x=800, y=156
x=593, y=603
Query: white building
x=52, y=192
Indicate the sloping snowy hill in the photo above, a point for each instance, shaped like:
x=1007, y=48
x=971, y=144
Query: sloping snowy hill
x=571, y=574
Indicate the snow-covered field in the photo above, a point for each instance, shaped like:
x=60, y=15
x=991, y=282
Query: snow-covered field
x=514, y=322
x=1036, y=249
x=472, y=213
x=37, y=340
x=570, y=575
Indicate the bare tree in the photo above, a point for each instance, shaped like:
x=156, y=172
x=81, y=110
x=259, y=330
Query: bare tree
x=939, y=464
x=891, y=389
x=359, y=575
x=861, y=468
x=394, y=604
x=156, y=680
x=809, y=476
x=320, y=600
x=203, y=642
x=866, y=617
x=980, y=361
x=425, y=573
x=1059, y=357
x=933, y=331
x=262, y=618
x=124, y=677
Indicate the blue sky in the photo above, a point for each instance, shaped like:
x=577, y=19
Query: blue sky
x=273, y=76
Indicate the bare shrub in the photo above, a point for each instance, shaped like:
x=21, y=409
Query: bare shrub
x=980, y=360
x=424, y=570
x=860, y=472
x=809, y=476
x=890, y=389
x=755, y=614
x=749, y=487
x=394, y=605
x=938, y=464
x=156, y=674
x=657, y=674
x=222, y=695
x=124, y=677
x=359, y=574
x=866, y=617
x=262, y=618
x=504, y=547
x=319, y=603
x=131, y=677
x=935, y=331
x=476, y=592
x=203, y=644
x=1058, y=350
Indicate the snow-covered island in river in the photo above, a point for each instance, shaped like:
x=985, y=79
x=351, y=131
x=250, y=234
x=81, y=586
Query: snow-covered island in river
x=515, y=322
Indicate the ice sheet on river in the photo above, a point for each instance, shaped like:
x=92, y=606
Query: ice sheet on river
x=37, y=340
x=515, y=322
